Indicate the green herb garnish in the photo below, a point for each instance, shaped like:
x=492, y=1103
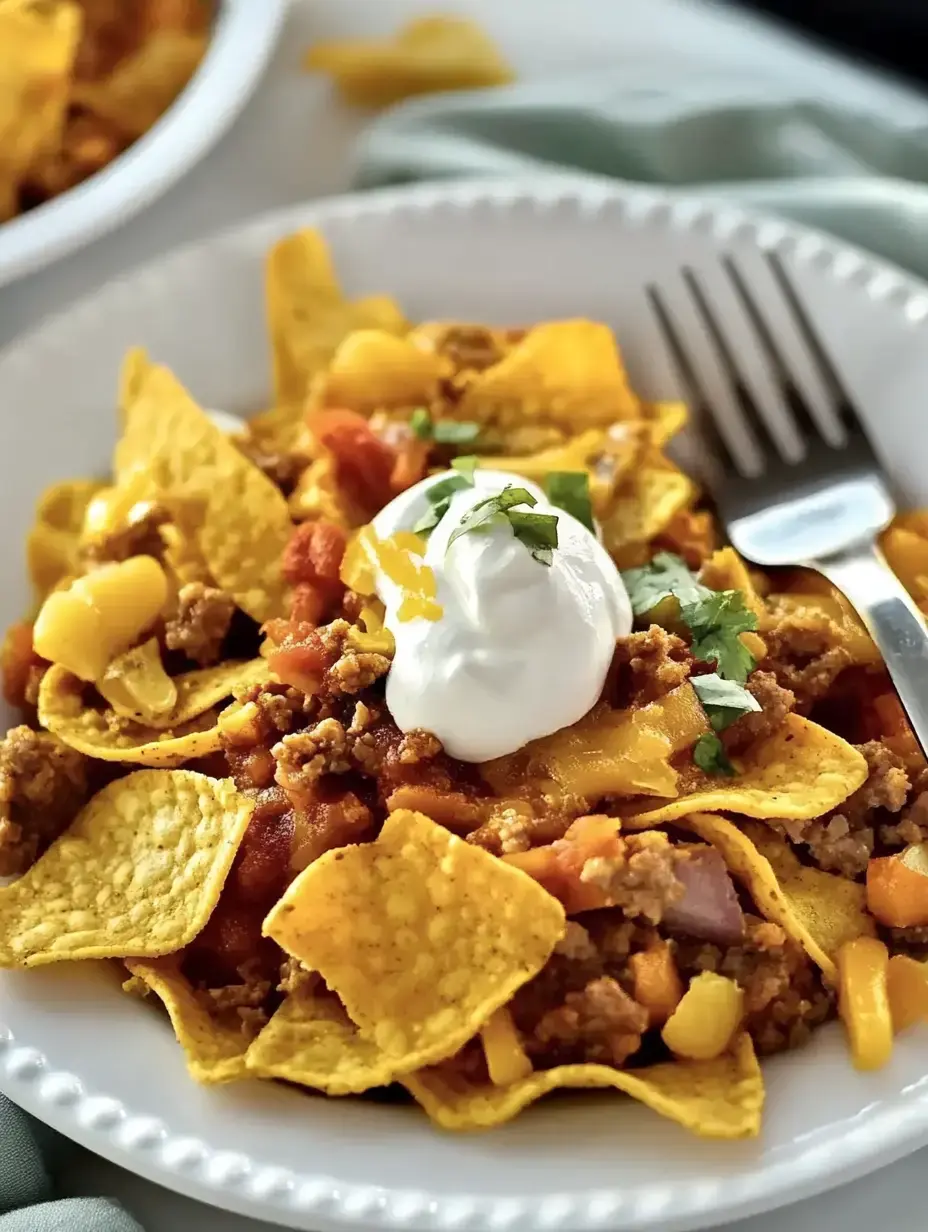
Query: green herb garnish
x=570, y=491
x=716, y=623
x=710, y=756
x=661, y=577
x=439, y=495
x=442, y=431
x=724, y=701
x=538, y=531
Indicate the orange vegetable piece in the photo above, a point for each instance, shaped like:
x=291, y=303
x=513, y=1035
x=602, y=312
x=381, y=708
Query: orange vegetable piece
x=507, y=1061
x=364, y=463
x=658, y=986
x=863, y=1001
x=907, y=989
x=897, y=888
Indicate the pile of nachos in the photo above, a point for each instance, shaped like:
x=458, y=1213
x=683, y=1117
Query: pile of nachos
x=207, y=786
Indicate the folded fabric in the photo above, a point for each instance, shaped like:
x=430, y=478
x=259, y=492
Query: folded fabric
x=26, y=1189
x=776, y=125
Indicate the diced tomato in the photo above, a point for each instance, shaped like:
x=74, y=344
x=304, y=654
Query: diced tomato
x=411, y=464
x=308, y=604
x=364, y=462
x=301, y=658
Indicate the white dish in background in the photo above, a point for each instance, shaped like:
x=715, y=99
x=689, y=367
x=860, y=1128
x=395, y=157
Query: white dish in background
x=104, y=1068
x=241, y=43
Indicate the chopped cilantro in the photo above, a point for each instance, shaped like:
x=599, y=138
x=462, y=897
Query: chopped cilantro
x=665, y=575
x=570, y=491
x=439, y=494
x=710, y=756
x=538, y=531
x=723, y=700
x=466, y=465
x=716, y=623
x=442, y=431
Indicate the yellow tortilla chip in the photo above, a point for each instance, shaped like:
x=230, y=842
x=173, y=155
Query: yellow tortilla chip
x=242, y=523
x=308, y=315
x=38, y=44
x=189, y=731
x=725, y=570
x=907, y=555
x=374, y=370
x=144, y=85
x=427, y=55
x=136, y=875
x=281, y=430
x=654, y=493
x=53, y=546
x=799, y=772
x=565, y=372
x=665, y=420
x=817, y=909
x=313, y=1042
x=214, y=1051
x=420, y=934
x=715, y=1099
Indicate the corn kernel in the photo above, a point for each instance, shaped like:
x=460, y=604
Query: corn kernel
x=100, y=615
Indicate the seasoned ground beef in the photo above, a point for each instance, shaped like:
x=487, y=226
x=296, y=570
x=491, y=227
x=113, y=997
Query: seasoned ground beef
x=141, y=536
x=43, y=784
x=844, y=840
x=600, y=1023
x=201, y=622
x=647, y=666
x=247, y=1001
x=775, y=703
x=912, y=826
x=784, y=997
x=806, y=655
x=640, y=880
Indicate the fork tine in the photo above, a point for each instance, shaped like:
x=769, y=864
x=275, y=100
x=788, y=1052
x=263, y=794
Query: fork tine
x=803, y=417
x=844, y=407
x=696, y=393
x=748, y=405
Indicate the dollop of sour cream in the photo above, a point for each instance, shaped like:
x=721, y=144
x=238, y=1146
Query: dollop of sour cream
x=522, y=648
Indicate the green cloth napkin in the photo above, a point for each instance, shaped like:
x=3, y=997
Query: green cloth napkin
x=773, y=124
x=27, y=1151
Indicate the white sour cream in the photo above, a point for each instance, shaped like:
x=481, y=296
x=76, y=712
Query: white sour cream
x=522, y=649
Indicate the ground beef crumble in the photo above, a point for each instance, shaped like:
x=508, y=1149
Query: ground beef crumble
x=141, y=536
x=43, y=784
x=600, y=1023
x=844, y=840
x=806, y=655
x=775, y=704
x=646, y=666
x=641, y=880
x=199, y=626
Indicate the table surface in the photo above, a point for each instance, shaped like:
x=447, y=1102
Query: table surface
x=293, y=143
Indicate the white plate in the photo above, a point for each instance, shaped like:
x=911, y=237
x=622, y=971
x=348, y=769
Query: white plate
x=105, y=1069
x=241, y=44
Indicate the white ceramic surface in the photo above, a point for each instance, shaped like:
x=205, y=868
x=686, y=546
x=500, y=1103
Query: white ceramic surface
x=242, y=42
x=105, y=1069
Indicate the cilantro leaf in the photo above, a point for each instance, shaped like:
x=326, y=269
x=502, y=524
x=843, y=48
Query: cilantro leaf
x=723, y=700
x=710, y=756
x=442, y=431
x=665, y=575
x=716, y=623
x=538, y=531
x=570, y=491
x=466, y=465
x=439, y=495
x=420, y=423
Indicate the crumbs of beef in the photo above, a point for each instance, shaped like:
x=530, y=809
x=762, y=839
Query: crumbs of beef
x=843, y=840
x=806, y=654
x=246, y=1001
x=646, y=666
x=141, y=536
x=43, y=785
x=775, y=704
x=599, y=1023
x=784, y=995
x=322, y=660
x=641, y=879
x=199, y=626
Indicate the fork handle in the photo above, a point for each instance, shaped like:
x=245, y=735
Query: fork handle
x=894, y=622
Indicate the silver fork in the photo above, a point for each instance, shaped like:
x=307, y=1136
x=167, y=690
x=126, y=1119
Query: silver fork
x=794, y=476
